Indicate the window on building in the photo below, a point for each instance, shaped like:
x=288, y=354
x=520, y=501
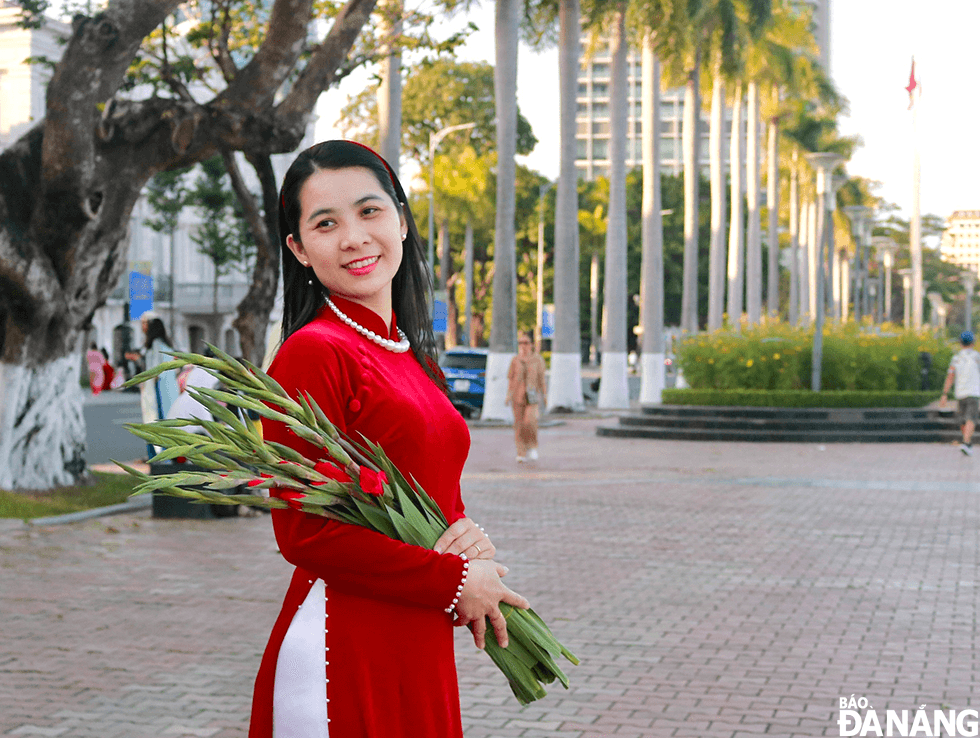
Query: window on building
x=600, y=128
x=668, y=148
x=600, y=110
x=600, y=149
x=582, y=108
x=582, y=128
x=583, y=89
x=581, y=149
x=600, y=89
x=600, y=71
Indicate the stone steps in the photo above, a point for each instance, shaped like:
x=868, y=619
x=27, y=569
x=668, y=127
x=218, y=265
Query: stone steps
x=793, y=425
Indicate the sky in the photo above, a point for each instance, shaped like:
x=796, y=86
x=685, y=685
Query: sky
x=872, y=45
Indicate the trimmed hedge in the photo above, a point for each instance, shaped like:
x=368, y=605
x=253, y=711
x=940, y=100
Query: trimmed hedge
x=798, y=398
x=778, y=356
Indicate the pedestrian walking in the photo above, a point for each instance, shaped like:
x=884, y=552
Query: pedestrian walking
x=363, y=645
x=525, y=394
x=156, y=395
x=95, y=361
x=964, y=370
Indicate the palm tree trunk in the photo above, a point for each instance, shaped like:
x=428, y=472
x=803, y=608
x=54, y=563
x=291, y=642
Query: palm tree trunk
x=753, y=240
x=772, y=206
x=614, y=389
x=503, y=331
x=716, y=258
x=794, y=242
x=652, y=274
x=692, y=179
x=736, y=234
x=813, y=245
x=468, y=286
x=803, y=263
x=390, y=90
x=565, y=382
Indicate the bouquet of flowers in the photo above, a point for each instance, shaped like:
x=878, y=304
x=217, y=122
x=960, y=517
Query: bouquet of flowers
x=354, y=482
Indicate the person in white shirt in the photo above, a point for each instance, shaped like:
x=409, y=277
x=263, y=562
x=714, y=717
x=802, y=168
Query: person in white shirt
x=965, y=370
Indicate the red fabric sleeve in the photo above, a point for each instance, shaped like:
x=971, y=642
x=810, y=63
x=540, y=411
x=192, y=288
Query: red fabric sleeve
x=348, y=557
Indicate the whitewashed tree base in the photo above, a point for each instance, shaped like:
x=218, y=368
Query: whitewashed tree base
x=653, y=379
x=681, y=383
x=43, y=441
x=495, y=405
x=614, y=391
x=565, y=382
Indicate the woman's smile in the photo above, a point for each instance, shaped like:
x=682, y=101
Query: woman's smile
x=362, y=266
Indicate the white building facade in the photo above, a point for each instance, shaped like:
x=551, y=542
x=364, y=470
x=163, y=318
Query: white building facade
x=593, y=121
x=960, y=243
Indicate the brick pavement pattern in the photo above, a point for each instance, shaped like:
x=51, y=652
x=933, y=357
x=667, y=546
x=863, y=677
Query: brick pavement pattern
x=711, y=590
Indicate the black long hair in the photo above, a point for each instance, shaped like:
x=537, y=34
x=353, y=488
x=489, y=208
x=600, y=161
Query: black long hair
x=411, y=286
x=155, y=329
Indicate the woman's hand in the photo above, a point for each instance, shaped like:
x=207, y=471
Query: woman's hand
x=465, y=537
x=481, y=598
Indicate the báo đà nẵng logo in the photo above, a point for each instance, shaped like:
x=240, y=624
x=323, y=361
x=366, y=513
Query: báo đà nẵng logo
x=857, y=716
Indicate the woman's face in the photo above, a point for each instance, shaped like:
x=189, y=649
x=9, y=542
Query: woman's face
x=350, y=232
x=524, y=345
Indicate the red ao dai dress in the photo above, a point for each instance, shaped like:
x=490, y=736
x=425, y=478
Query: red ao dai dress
x=363, y=646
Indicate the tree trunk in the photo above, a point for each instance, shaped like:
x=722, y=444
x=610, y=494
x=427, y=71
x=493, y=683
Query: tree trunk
x=390, y=89
x=446, y=283
x=43, y=441
x=614, y=389
x=252, y=321
x=813, y=246
x=503, y=330
x=803, y=263
x=87, y=161
x=716, y=258
x=565, y=382
x=594, y=309
x=652, y=274
x=753, y=240
x=736, y=234
x=692, y=180
x=772, y=205
x=794, y=242
x=468, y=337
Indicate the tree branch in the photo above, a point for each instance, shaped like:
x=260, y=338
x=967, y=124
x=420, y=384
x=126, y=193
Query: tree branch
x=319, y=72
x=256, y=84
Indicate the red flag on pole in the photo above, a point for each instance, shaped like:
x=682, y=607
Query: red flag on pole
x=913, y=85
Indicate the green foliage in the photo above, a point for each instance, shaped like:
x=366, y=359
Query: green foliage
x=797, y=398
x=105, y=489
x=778, y=357
x=167, y=194
x=223, y=235
x=439, y=94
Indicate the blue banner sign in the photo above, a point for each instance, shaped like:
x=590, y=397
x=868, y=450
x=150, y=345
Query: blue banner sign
x=140, y=288
x=548, y=321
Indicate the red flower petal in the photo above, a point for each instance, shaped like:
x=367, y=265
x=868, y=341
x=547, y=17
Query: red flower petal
x=371, y=481
x=294, y=499
x=332, y=471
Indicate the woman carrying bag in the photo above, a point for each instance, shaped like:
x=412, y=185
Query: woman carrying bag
x=525, y=394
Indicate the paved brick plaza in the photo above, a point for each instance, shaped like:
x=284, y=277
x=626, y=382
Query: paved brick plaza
x=710, y=589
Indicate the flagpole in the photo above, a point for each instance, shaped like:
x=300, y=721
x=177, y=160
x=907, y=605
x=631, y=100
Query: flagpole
x=915, y=230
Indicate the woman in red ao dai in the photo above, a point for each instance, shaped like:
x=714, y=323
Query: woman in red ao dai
x=363, y=646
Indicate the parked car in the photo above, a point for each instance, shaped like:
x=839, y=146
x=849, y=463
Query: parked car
x=466, y=374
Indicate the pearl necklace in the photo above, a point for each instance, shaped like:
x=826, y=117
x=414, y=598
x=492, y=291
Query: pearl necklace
x=399, y=348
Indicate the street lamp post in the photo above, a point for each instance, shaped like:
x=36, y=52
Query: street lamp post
x=539, y=313
x=860, y=217
x=885, y=249
x=824, y=163
x=969, y=284
x=434, y=139
x=906, y=290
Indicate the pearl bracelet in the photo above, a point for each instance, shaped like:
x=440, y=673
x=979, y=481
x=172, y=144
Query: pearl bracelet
x=459, y=589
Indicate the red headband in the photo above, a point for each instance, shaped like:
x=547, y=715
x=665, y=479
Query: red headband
x=391, y=172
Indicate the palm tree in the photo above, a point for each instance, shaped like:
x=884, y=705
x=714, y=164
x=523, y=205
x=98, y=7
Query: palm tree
x=652, y=276
x=613, y=388
x=716, y=263
x=736, y=250
x=753, y=238
x=565, y=382
x=390, y=89
x=503, y=331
